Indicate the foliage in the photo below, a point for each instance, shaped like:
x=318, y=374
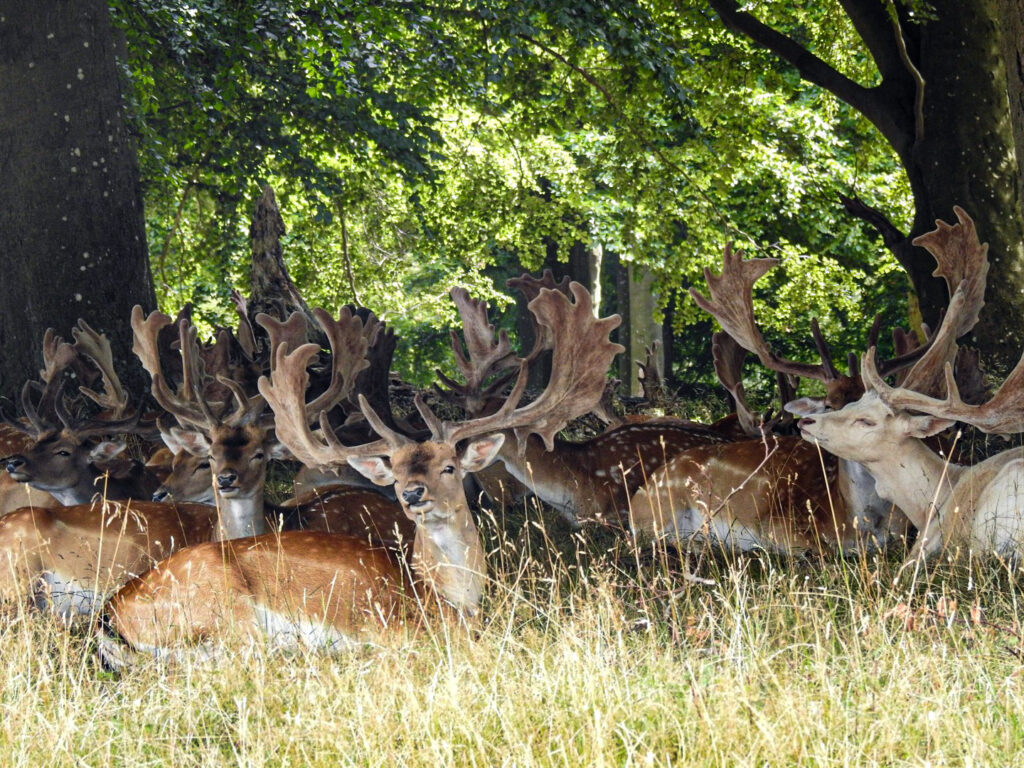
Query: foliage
x=459, y=143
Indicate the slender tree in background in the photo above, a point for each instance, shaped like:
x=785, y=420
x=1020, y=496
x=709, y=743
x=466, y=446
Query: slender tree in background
x=70, y=205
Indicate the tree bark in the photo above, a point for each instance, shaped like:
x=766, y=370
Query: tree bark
x=70, y=202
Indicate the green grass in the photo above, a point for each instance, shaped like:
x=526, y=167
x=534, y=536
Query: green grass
x=593, y=653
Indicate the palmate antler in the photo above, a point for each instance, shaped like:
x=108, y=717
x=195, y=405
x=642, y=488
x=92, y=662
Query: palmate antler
x=956, y=250
x=581, y=354
x=1003, y=414
x=487, y=358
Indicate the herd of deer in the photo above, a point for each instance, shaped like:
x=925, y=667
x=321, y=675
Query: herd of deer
x=383, y=536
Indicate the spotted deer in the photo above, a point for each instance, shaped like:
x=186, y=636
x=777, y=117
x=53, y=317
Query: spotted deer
x=784, y=495
x=328, y=590
x=222, y=449
x=585, y=481
x=65, y=458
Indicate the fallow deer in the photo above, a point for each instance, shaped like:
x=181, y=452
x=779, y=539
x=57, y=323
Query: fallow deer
x=65, y=459
x=978, y=507
x=586, y=481
x=784, y=495
x=330, y=590
x=14, y=495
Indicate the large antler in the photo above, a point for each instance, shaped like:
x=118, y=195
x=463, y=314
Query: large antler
x=285, y=391
x=485, y=356
x=96, y=347
x=58, y=355
x=581, y=353
x=731, y=303
x=959, y=254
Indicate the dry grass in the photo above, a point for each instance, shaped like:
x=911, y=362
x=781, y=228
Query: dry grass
x=594, y=654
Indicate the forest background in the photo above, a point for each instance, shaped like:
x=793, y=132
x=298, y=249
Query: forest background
x=415, y=146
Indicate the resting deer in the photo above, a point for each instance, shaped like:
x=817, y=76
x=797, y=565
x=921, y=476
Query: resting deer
x=978, y=507
x=222, y=457
x=782, y=495
x=586, y=481
x=65, y=459
x=331, y=590
x=14, y=495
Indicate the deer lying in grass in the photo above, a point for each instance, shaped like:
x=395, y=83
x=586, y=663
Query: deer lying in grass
x=329, y=590
x=585, y=481
x=780, y=494
x=980, y=508
x=65, y=459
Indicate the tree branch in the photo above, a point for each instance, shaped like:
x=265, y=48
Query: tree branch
x=891, y=235
x=874, y=26
x=810, y=67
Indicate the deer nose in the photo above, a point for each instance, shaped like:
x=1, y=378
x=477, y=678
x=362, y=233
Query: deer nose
x=413, y=495
x=161, y=493
x=14, y=462
x=226, y=479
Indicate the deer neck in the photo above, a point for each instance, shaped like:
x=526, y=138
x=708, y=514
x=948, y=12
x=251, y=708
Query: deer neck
x=915, y=479
x=240, y=517
x=449, y=559
x=546, y=473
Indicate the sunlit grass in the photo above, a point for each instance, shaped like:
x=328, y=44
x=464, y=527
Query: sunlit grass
x=593, y=653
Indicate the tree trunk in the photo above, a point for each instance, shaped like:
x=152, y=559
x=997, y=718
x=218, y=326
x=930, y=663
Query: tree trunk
x=1011, y=27
x=70, y=203
x=967, y=157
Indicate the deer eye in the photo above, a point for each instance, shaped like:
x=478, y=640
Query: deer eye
x=62, y=452
x=450, y=469
x=258, y=456
x=203, y=465
x=865, y=422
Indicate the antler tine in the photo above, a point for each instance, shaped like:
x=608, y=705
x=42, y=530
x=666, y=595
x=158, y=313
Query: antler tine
x=581, y=354
x=531, y=286
x=732, y=305
x=728, y=357
x=291, y=332
x=31, y=413
x=96, y=347
x=246, y=335
x=831, y=372
x=960, y=258
x=193, y=413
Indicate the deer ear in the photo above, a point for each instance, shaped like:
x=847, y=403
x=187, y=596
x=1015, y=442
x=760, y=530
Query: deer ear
x=481, y=452
x=376, y=469
x=193, y=442
x=924, y=425
x=805, y=406
x=107, y=450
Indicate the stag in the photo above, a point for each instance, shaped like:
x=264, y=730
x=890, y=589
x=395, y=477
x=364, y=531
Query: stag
x=781, y=494
x=331, y=590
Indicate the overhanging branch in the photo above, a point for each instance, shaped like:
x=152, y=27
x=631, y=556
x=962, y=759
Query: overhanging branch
x=810, y=67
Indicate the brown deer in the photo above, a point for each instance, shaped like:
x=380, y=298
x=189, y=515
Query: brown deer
x=331, y=590
x=14, y=495
x=65, y=459
x=586, y=481
x=783, y=495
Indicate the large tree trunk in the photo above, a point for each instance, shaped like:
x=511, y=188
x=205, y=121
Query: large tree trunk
x=967, y=157
x=70, y=204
